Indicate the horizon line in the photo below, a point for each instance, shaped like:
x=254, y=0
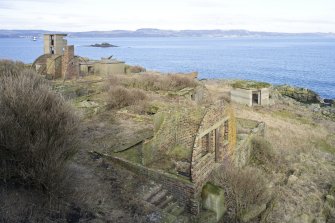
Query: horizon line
x=175, y=30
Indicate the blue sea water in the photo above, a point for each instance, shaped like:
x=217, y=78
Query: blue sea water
x=301, y=61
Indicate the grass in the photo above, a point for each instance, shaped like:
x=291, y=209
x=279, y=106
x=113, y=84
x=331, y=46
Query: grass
x=250, y=84
x=285, y=114
x=180, y=153
x=131, y=154
x=153, y=82
x=325, y=146
x=305, y=151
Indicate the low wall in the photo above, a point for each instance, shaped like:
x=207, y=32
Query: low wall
x=243, y=150
x=182, y=189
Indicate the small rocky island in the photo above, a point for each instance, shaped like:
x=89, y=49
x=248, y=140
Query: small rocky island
x=103, y=45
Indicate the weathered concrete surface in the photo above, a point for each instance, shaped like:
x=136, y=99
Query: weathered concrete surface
x=213, y=199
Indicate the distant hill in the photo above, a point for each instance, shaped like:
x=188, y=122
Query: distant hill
x=158, y=33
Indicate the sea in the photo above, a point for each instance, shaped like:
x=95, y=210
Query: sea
x=307, y=62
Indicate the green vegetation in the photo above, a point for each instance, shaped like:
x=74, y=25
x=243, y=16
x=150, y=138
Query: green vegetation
x=103, y=45
x=180, y=153
x=131, y=154
x=291, y=115
x=325, y=146
x=250, y=84
x=300, y=94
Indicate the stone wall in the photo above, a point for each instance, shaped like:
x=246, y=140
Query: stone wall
x=181, y=188
x=70, y=65
x=208, y=146
x=176, y=127
x=243, y=150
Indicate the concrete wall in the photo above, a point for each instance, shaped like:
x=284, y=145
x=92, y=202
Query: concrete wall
x=57, y=44
x=241, y=96
x=243, y=150
x=265, y=96
x=244, y=96
x=109, y=68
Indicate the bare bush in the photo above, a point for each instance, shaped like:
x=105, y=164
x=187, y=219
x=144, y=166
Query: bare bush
x=135, y=69
x=38, y=131
x=119, y=97
x=244, y=188
x=9, y=68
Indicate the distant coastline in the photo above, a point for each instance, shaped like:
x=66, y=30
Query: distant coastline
x=160, y=33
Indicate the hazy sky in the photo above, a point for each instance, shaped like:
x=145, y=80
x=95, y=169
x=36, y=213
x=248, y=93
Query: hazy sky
x=84, y=15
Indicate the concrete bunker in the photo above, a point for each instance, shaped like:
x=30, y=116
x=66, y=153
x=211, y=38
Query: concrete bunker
x=251, y=97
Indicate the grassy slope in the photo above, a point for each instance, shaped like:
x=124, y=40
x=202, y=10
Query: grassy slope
x=305, y=140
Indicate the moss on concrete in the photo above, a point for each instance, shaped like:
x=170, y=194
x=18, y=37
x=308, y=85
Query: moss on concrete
x=180, y=153
x=245, y=84
x=132, y=155
x=213, y=199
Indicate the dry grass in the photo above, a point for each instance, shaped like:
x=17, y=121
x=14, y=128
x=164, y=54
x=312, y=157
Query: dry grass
x=38, y=131
x=300, y=144
x=153, y=82
x=263, y=155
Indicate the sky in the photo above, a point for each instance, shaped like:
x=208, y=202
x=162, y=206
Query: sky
x=293, y=16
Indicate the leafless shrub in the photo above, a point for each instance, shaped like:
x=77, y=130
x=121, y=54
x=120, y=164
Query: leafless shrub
x=119, y=97
x=244, y=188
x=38, y=131
x=9, y=68
x=135, y=69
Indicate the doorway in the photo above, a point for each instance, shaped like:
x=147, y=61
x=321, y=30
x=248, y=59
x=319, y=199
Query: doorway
x=256, y=96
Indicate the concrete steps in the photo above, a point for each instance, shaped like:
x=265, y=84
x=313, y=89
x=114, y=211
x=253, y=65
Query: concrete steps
x=161, y=199
x=151, y=192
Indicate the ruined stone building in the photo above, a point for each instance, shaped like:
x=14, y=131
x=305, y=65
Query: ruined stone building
x=59, y=61
x=185, y=148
